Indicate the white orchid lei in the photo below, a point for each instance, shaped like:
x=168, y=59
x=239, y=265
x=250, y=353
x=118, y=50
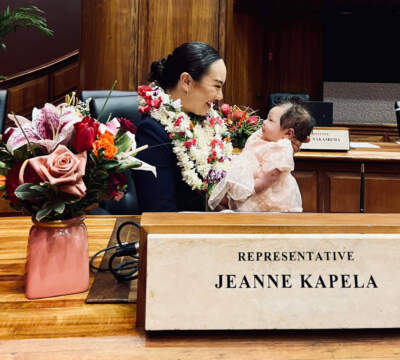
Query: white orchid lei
x=203, y=148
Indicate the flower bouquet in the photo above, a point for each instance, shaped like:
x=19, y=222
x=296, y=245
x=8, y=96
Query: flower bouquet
x=64, y=161
x=241, y=123
x=55, y=167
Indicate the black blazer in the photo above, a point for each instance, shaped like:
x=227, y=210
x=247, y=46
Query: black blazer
x=167, y=192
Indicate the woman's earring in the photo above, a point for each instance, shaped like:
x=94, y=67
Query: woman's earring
x=187, y=92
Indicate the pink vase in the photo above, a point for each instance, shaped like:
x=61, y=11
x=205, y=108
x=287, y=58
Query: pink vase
x=58, y=259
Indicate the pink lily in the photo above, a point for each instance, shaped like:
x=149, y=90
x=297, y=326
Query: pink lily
x=50, y=126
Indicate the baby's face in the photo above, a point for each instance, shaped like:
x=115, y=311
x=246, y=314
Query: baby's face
x=271, y=127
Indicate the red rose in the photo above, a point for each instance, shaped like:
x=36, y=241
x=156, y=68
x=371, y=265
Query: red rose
x=127, y=125
x=12, y=182
x=84, y=134
x=114, y=185
x=7, y=134
x=253, y=120
x=225, y=109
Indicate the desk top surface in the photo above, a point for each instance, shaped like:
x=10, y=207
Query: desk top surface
x=66, y=328
x=387, y=151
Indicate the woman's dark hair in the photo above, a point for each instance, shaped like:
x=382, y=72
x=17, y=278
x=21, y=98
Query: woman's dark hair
x=298, y=118
x=194, y=58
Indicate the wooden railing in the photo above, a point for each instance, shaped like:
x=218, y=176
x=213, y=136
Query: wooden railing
x=45, y=83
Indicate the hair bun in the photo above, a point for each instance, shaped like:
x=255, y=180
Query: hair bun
x=157, y=71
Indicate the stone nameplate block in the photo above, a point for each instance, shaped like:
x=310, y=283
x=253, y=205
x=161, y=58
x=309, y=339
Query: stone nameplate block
x=272, y=281
x=328, y=139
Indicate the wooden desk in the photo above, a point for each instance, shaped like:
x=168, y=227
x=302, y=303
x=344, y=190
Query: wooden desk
x=330, y=181
x=66, y=328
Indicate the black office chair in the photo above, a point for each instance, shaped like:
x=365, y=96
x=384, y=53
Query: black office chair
x=397, y=110
x=120, y=104
x=278, y=98
x=3, y=108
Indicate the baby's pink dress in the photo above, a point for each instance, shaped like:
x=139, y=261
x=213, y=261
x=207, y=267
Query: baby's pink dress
x=283, y=196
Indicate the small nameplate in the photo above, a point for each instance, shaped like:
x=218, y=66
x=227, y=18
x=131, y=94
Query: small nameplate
x=328, y=139
x=272, y=281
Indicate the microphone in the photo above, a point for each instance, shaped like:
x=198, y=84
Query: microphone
x=397, y=110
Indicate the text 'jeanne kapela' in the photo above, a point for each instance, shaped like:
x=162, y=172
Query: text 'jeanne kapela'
x=287, y=281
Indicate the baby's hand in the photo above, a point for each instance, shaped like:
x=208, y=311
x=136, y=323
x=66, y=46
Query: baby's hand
x=297, y=143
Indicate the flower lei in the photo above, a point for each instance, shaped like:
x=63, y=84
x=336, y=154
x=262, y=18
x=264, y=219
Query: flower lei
x=203, y=148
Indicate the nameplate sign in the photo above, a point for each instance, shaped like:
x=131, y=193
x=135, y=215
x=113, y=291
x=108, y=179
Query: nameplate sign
x=272, y=281
x=328, y=139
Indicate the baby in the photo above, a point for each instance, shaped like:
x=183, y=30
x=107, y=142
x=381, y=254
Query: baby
x=260, y=178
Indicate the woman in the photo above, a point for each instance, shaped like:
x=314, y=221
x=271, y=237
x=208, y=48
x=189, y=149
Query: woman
x=188, y=141
x=185, y=143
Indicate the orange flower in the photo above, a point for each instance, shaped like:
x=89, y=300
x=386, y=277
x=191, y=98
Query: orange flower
x=105, y=141
x=2, y=182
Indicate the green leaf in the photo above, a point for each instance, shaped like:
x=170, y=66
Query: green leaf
x=101, y=175
x=100, y=154
x=110, y=164
x=123, y=143
x=59, y=207
x=43, y=212
x=24, y=192
x=105, y=102
x=93, y=157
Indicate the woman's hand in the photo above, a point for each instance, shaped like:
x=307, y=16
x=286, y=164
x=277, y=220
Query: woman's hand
x=223, y=205
x=265, y=179
x=297, y=143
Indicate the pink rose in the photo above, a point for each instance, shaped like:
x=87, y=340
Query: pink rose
x=253, y=120
x=63, y=169
x=225, y=109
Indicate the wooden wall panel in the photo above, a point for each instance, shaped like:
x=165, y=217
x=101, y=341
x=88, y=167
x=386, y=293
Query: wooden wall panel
x=308, y=184
x=165, y=24
x=23, y=97
x=245, y=60
x=272, y=47
x=344, y=192
x=65, y=80
x=109, y=31
x=296, y=56
x=382, y=193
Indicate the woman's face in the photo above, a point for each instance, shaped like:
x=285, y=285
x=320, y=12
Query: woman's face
x=271, y=127
x=203, y=93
